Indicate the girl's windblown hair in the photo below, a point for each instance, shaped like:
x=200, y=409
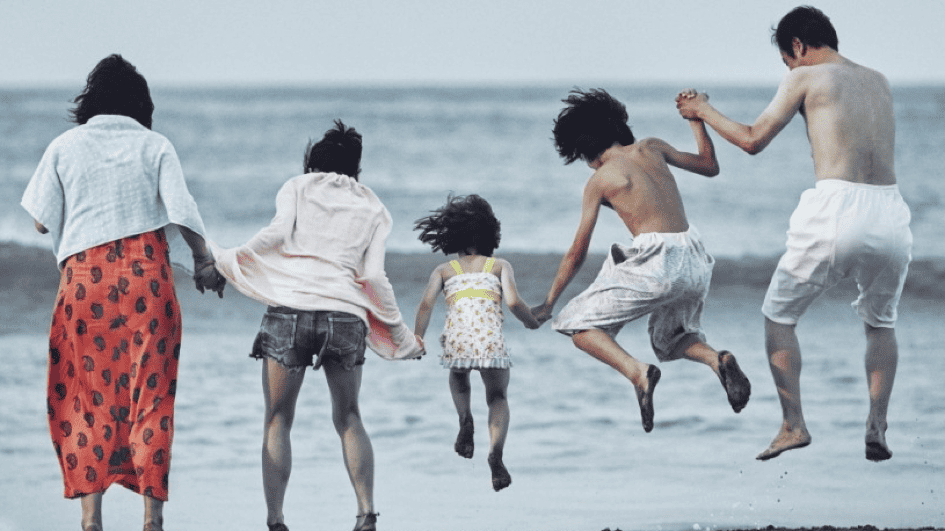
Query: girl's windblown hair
x=592, y=122
x=464, y=222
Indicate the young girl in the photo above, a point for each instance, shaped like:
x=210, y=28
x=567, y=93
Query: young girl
x=474, y=286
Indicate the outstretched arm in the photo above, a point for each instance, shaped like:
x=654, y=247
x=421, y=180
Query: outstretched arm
x=573, y=260
x=750, y=138
x=704, y=163
x=427, y=302
x=512, y=299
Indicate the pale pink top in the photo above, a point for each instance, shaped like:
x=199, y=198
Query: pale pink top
x=324, y=250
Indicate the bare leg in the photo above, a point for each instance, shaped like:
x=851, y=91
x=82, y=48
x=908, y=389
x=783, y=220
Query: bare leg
x=784, y=358
x=92, y=511
x=723, y=364
x=153, y=514
x=460, y=391
x=356, y=447
x=496, y=382
x=281, y=391
x=882, y=357
x=643, y=376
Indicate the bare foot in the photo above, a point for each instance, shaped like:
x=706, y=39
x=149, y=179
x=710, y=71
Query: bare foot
x=464, y=441
x=645, y=396
x=500, y=476
x=92, y=527
x=786, y=439
x=876, y=449
x=736, y=384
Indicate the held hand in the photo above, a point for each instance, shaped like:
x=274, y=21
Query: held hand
x=686, y=93
x=542, y=312
x=207, y=277
x=423, y=347
x=533, y=325
x=689, y=102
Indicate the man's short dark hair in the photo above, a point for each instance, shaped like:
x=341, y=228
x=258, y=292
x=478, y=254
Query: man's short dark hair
x=339, y=151
x=592, y=122
x=114, y=86
x=809, y=25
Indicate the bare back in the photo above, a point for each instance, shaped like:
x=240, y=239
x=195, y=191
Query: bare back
x=636, y=182
x=850, y=122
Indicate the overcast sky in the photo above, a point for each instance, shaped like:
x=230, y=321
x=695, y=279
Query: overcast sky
x=218, y=42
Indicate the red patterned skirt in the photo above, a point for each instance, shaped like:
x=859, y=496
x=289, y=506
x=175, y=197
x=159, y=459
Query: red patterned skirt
x=114, y=344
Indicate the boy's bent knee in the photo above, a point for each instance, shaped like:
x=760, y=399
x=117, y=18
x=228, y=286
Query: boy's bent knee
x=582, y=338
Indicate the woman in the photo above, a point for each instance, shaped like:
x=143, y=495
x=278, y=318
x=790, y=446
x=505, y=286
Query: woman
x=106, y=190
x=320, y=267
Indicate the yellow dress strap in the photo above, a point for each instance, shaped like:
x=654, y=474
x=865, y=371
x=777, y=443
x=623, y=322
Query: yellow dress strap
x=489, y=263
x=456, y=267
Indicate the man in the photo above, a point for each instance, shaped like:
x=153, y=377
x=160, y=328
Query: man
x=853, y=224
x=664, y=273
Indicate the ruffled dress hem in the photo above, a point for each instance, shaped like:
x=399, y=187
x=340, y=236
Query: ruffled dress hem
x=473, y=363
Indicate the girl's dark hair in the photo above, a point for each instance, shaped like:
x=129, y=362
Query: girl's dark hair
x=592, y=122
x=810, y=25
x=114, y=86
x=464, y=222
x=339, y=151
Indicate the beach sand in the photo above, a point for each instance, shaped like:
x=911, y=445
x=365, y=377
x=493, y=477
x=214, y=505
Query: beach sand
x=579, y=458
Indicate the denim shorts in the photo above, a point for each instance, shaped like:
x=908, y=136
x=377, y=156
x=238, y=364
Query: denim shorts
x=299, y=339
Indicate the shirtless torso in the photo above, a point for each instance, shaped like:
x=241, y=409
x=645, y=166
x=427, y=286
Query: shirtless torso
x=850, y=123
x=847, y=107
x=636, y=182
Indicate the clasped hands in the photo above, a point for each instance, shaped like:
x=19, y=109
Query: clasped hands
x=542, y=312
x=206, y=276
x=689, y=101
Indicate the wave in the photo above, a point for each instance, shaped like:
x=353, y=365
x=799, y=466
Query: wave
x=25, y=266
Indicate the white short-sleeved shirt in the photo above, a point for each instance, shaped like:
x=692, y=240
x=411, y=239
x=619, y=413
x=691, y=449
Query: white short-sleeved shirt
x=105, y=180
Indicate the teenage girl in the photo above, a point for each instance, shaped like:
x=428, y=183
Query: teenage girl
x=474, y=285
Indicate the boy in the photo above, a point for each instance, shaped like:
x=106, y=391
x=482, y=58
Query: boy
x=664, y=273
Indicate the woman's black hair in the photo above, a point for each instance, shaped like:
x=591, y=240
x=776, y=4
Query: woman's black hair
x=592, y=122
x=339, y=151
x=464, y=222
x=114, y=86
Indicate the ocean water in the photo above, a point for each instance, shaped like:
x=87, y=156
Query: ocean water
x=579, y=458
x=237, y=146
x=577, y=453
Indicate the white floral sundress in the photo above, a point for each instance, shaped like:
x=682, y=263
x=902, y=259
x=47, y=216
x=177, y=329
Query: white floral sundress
x=472, y=337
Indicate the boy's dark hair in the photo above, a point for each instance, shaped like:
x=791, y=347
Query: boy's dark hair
x=114, y=86
x=810, y=25
x=592, y=122
x=464, y=222
x=339, y=151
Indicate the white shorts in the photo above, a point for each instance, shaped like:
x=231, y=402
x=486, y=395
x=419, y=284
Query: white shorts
x=665, y=276
x=844, y=230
